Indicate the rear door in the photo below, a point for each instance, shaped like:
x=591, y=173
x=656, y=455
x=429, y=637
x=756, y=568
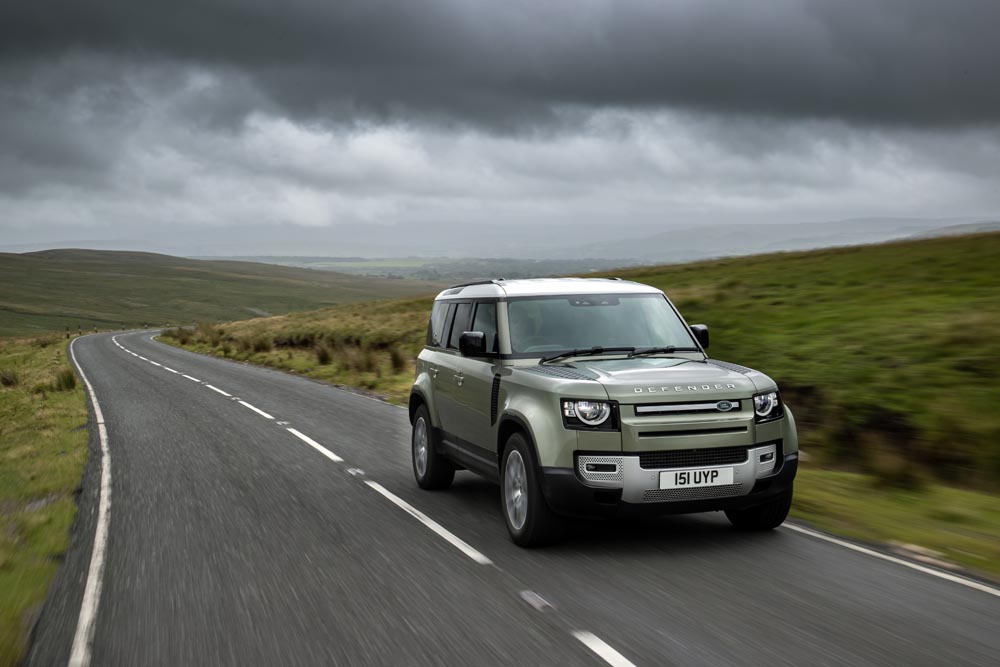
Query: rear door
x=446, y=379
x=471, y=423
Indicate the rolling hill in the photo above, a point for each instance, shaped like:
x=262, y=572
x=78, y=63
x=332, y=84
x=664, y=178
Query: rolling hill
x=53, y=290
x=887, y=353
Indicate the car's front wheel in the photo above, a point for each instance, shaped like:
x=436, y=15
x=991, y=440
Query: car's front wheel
x=430, y=469
x=530, y=522
x=764, y=516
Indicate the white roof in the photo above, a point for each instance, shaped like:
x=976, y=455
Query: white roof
x=546, y=287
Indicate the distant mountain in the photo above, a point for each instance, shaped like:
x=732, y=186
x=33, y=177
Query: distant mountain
x=53, y=290
x=961, y=230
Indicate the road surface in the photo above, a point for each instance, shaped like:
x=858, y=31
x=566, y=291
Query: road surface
x=254, y=517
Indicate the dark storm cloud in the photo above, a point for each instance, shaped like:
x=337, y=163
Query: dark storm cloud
x=509, y=64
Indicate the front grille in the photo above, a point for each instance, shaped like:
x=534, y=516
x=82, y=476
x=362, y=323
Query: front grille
x=692, y=458
x=666, y=495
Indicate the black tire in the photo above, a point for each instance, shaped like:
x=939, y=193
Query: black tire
x=434, y=471
x=766, y=516
x=536, y=524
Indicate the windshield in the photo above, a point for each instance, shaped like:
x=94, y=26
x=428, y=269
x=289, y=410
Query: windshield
x=543, y=325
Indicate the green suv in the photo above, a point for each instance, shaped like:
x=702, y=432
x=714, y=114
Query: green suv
x=594, y=398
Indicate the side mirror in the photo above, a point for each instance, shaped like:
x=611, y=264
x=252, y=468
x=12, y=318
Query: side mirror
x=472, y=344
x=700, y=332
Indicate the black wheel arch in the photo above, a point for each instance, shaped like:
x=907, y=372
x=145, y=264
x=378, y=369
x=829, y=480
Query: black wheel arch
x=508, y=425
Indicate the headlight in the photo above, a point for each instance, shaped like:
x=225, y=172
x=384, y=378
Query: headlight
x=767, y=406
x=592, y=414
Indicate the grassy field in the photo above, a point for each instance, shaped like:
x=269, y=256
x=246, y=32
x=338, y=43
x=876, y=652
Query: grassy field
x=887, y=354
x=82, y=289
x=43, y=448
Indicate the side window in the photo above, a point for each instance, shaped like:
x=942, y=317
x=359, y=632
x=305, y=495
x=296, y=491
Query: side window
x=485, y=320
x=463, y=315
x=435, y=328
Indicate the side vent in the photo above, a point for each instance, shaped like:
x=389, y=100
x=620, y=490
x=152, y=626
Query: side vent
x=494, y=400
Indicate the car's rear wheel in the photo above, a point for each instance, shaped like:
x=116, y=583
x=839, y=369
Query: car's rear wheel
x=530, y=522
x=430, y=469
x=764, y=516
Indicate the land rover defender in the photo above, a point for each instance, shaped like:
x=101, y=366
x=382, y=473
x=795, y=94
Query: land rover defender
x=594, y=398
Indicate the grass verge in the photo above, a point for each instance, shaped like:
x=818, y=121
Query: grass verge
x=43, y=449
x=962, y=527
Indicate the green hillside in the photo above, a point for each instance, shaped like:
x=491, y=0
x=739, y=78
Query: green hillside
x=888, y=354
x=56, y=289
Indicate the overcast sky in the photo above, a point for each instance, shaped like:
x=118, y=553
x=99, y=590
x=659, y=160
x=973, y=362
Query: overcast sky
x=144, y=121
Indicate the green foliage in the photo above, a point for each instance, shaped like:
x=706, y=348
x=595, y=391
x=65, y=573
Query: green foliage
x=65, y=380
x=886, y=354
x=43, y=447
x=9, y=377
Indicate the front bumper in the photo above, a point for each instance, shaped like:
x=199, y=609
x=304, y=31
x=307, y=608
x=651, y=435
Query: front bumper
x=636, y=490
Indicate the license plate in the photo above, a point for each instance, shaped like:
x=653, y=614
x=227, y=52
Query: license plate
x=687, y=479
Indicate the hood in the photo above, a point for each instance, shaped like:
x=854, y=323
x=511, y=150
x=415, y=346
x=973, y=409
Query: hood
x=656, y=380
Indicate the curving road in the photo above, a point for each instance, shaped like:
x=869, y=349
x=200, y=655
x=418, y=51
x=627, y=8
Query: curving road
x=255, y=517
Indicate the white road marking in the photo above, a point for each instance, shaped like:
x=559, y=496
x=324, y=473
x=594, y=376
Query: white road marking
x=191, y=378
x=315, y=445
x=602, y=649
x=143, y=358
x=535, y=600
x=156, y=363
x=83, y=639
x=257, y=410
x=441, y=531
x=356, y=472
x=217, y=390
x=899, y=561
x=167, y=368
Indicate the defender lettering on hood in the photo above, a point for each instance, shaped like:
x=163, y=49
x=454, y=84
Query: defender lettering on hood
x=690, y=387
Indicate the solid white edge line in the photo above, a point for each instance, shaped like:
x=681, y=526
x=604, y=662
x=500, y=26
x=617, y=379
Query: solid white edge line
x=83, y=639
x=217, y=390
x=191, y=378
x=602, y=649
x=441, y=531
x=892, y=559
x=315, y=445
x=257, y=410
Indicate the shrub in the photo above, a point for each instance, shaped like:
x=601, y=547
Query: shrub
x=226, y=349
x=262, y=344
x=323, y=355
x=9, y=377
x=65, y=380
x=397, y=359
x=369, y=363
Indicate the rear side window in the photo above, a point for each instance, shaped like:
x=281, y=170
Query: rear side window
x=463, y=315
x=485, y=320
x=435, y=328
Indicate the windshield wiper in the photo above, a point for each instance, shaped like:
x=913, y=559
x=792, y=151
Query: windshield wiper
x=669, y=349
x=580, y=352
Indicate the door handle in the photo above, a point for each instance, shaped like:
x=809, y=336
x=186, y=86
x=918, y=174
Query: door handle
x=459, y=379
x=433, y=371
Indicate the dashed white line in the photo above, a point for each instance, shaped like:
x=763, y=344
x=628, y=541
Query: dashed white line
x=899, y=561
x=255, y=409
x=441, y=531
x=315, y=445
x=84, y=637
x=166, y=368
x=218, y=391
x=602, y=649
x=191, y=378
x=156, y=363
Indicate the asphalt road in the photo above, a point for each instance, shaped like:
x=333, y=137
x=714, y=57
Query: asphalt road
x=234, y=541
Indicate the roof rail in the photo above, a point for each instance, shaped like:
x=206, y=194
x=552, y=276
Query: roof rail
x=491, y=281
